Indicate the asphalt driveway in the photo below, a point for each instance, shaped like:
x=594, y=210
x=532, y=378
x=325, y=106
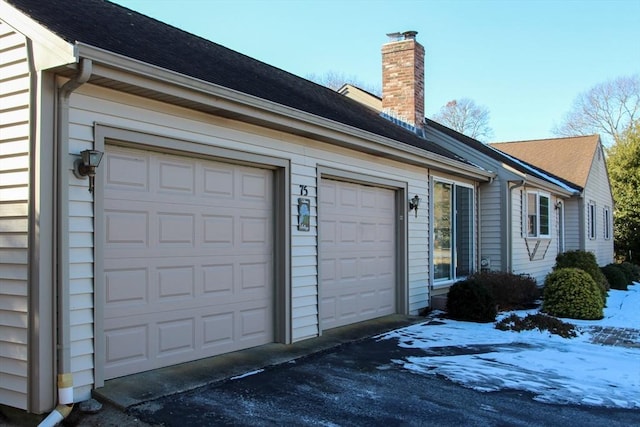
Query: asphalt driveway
x=358, y=384
x=346, y=377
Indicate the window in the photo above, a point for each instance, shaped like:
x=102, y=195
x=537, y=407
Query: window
x=538, y=216
x=607, y=223
x=452, y=230
x=592, y=220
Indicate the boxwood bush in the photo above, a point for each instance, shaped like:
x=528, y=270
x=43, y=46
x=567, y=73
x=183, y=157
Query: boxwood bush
x=572, y=293
x=510, y=291
x=585, y=261
x=616, y=276
x=471, y=301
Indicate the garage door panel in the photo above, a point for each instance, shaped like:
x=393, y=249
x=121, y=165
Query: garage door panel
x=188, y=262
x=177, y=177
x=176, y=335
x=357, y=258
x=127, y=171
x=158, y=285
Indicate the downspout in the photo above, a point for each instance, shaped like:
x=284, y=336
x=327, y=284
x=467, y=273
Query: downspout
x=62, y=165
x=509, y=221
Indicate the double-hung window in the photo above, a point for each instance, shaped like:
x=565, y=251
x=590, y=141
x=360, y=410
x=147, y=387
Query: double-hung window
x=453, y=230
x=538, y=215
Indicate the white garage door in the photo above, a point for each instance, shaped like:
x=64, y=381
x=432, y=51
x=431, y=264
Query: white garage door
x=357, y=253
x=188, y=259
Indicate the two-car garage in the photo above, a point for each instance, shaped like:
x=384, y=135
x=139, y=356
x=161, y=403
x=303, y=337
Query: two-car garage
x=189, y=257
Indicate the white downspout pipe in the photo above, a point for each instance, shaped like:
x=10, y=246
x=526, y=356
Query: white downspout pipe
x=511, y=185
x=62, y=166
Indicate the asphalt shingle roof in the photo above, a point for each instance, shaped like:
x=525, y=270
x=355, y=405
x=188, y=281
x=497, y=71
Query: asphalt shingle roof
x=522, y=164
x=123, y=31
x=569, y=158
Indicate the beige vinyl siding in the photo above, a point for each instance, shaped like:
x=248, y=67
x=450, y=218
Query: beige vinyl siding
x=418, y=238
x=14, y=194
x=491, y=231
x=597, y=189
x=572, y=221
x=81, y=305
x=91, y=105
x=304, y=269
x=539, y=267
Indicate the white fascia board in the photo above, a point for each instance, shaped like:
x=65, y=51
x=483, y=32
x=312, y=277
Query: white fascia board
x=543, y=184
x=49, y=50
x=552, y=188
x=155, y=78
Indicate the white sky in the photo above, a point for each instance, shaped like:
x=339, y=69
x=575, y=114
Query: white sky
x=525, y=60
x=554, y=369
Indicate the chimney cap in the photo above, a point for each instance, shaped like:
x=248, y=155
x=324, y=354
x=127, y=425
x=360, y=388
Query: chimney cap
x=400, y=36
x=410, y=35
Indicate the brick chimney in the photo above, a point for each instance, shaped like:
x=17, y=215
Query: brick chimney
x=403, y=78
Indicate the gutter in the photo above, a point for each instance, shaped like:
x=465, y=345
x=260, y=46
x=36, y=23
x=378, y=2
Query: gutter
x=141, y=74
x=62, y=165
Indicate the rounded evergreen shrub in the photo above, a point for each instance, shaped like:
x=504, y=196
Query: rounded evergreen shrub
x=510, y=291
x=616, y=276
x=471, y=301
x=631, y=270
x=585, y=261
x=572, y=293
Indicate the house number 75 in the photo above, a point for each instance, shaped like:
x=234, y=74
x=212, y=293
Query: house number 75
x=303, y=190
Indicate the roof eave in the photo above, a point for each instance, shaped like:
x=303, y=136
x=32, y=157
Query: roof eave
x=49, y=50
x=234, y=104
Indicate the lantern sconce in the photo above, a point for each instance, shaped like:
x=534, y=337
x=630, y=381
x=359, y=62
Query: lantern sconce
x=414, y=203
x=86, y=166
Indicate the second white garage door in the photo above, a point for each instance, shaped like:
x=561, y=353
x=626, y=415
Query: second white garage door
x=188, y=259
x=357, y=253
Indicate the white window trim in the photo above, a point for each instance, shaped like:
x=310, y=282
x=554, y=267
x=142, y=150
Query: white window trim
x=442, y=283
x=606, y=223
x=525, y=215
x=592, y=225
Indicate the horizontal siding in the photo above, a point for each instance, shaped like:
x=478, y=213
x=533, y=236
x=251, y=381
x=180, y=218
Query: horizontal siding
x=418, y=247
x=91, y=104
x=597, y=189
x=14, y=194
x=491, y=223
x=572, y=225
x=304, y=268
x=522, y=264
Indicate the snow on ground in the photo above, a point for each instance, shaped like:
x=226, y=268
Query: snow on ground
x=554, y=369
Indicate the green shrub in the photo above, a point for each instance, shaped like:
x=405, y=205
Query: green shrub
x=510, y=291
x=539, y=321
x=631, y=270
x=571, y=292
x=585, y=261
x=470, y=301
x=616, y=276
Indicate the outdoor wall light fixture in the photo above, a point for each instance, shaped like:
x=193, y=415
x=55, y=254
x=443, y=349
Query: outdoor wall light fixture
x=414, y=203
x=86, y=166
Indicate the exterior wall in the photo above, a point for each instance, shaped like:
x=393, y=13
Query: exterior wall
x=522, y=248
x=14, y=217
x=598, y=190
x=572, y=224
x=92, y=104
x=492, y=239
